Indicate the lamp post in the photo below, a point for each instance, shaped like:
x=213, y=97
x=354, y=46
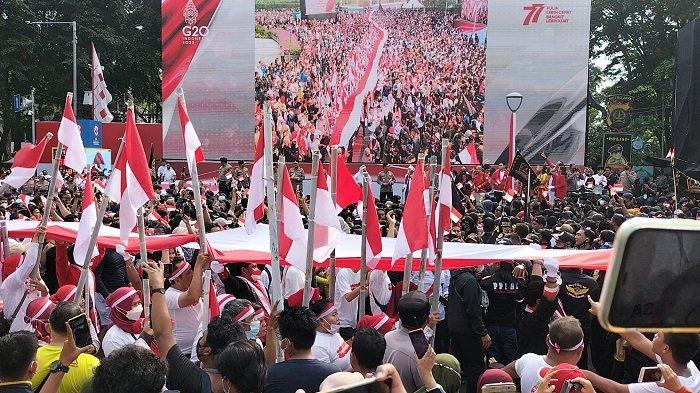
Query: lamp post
x=74, y=25
x=513, y=100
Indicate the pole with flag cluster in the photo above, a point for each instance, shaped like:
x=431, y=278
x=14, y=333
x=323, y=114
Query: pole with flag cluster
x=363, y=245
x=273, y=207
x=428, y=205
x=315, y=162
x=413, y=230
x=334, y=190
x=443, y=221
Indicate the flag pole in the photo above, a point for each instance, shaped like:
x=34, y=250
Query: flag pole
x=408, y=263
x=431, y=193
x=272, y=207
x=142, y=236
x=675, y=187
x=276, y=279
x=527, y=196
x=206, y=288
x=194, y=173
x=5, y=241
x=334, y=190
x=363, y=247
x=92, y=79
x=104, y=203
x=437, y=275
x=315, y=158
x=48, y=206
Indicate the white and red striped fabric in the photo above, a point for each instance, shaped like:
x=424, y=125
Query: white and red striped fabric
x=193, y=147
x=374, y=232
x=413, y=230
x=445, y=199
x=455, y=215
x=292, y=235
x=88, y=219
x=468, y=155
x=509, y=193
x=100, y=95
x=256, y=193
x=130, y=183
x=617, y=187
x=100, y=185
x=671, y=154
x=25, y=163
x=327, y=232
x=348, y=191
x=69, y=135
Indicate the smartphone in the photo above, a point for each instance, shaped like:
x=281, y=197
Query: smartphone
x=501, y=387
x=569, y=387
x=168, y=269
x=419, y=341
x=650, y=374
x=369, y=385
x=81, y=330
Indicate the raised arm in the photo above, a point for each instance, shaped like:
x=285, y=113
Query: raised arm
x=194, y=292
x=160, y=318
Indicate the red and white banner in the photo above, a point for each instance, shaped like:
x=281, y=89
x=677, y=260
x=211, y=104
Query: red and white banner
x=256, y=193
x=100, y=95
x=193, y=147
x=88, y=219
x=292, y=235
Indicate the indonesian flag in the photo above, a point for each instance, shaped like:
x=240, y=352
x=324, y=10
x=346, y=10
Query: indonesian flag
x=374, y=233
x=69, y=135
x=348, y=192
x=214, y=309
x=445, y=198
x=327, y=231
x=130, y=182
x=88, y=219
x=100, y=95
x=256, y=193
x=468, y=155
x=100, y=185
x=617, y=187
x=292, y=235
x=193, y=147
x=413, y=230
x=25, y=163
x=510, y=193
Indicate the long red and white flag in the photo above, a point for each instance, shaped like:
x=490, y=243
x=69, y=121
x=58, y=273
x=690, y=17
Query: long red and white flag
x=413, y=230
x=374, y=232
x=25, y=162
x=348, y=191
x=130, y=182
x=292, y=235
x=100, y=95
x=69, y=135
x=443, y=210
x=468, y=155
x=327, y=231
x=88, y=219
x=193, y=147
x=256, y=193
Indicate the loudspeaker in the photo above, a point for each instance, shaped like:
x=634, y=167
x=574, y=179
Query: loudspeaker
x=686, y=133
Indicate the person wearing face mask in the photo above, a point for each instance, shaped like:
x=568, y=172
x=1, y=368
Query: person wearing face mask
x=38, y=312
x=184, y=302
x=329, y=346
x=125, y=311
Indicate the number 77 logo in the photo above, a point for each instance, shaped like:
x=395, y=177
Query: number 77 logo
x=533, y=15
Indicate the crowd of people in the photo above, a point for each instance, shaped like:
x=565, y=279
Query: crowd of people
x=531, y=323
x=430, y=84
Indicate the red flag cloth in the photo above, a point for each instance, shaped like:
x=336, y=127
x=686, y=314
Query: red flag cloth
x=193, y=147
x=347, y=191
x=24, y=164
x=214, y=310
x=374, y=232
x=292, y=235
x=69, y=136
x=413, y=231
x=256, y=193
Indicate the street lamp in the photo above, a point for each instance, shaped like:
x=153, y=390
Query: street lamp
x=74, y=25
x=513, y=100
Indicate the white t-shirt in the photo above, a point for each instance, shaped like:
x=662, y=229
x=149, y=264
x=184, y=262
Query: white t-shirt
x=185, y=320
x=167, y=174
x=13, y=288
x=345, y=280
x=692, y=383
x=293, y=281
x=116, y=338
x=380, y=290
x=326, y=347
x=531, y=368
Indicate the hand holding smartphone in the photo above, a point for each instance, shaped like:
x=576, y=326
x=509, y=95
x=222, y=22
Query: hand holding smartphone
x=81, y=330
x=419, y=341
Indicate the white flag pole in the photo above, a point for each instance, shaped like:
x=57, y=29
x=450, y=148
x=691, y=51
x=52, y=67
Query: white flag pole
x=315, y=162
x=334, y=190
x=429, y=216
x=363, y=247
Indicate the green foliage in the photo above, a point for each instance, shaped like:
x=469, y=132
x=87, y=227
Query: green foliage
x=126, y=34
x=639, y=39
x=277, y=4
x=263, y=32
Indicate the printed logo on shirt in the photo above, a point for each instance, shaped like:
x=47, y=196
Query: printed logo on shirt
x=577, y=290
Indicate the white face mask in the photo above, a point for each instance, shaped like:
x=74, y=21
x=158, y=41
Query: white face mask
x=332, y=328
x=135, y=313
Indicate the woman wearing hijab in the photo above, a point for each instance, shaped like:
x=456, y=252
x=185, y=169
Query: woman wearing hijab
x=329, y=346
x=125, y=311
x=439, y=371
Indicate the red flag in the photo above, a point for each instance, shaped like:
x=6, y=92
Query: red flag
x=193, y=147
x=348, y=191
x=214, y=310
x=292, y=235
x=374, y=232
x=327, y=232
x=413, y=230
x=256, y=194
x=69, y=136
x=25, y=162
x=130, y=183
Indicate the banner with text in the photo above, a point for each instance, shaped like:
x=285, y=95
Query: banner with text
x=541, y=51
x=617, y=150
x=208, y=50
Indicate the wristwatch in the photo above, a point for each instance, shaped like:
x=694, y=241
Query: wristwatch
x=58, y=367
x=158, y=290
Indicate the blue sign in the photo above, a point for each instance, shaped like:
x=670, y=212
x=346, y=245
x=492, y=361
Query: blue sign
x=91, y=131
x=17, y=103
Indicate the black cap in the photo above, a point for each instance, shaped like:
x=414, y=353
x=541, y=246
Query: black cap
x=414, y=308
x=566, y=238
